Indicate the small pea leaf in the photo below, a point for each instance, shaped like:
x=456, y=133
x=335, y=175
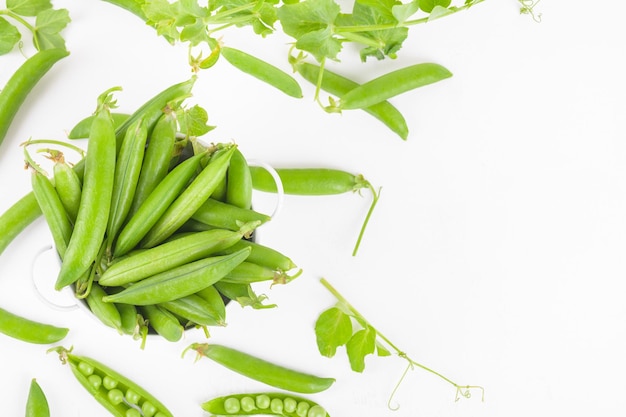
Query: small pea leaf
x=361, y=344
x=48, y=25
x=193, y=121
x=162, y=15
x=333, y=328
x=195, y=33
x=438, y=12
x=382, y=350
x=429, y=5
x=28, y=7
x=402, y=12
x=9, y=36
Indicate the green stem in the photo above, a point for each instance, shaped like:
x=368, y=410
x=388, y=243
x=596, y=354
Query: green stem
x=462, y=390
x=376, y=196
x=27, y=25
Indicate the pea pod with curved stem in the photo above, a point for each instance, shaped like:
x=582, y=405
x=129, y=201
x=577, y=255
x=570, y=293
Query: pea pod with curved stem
x=392, y=84
x=95, y=203
x=157, y=157
x=22, y=82
x=262, y=70
x=26, y=210
x=264, y=403
x=316, y=181
x=192, y=247
x=239, y=182
x=262, y=370
x=115, y=392
x=338, y=85
x=190, y=200
x=215, y=213
x=37, y=403
x=155, y=205
x=30, y=331
x=179, y=281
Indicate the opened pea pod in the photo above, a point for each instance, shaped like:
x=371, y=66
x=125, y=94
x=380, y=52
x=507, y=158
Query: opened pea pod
x=266, y=404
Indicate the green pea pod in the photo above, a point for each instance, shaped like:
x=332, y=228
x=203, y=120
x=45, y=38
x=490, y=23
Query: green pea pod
x=22, y=82
x=36, y=404
x=69, y=187
x=263, y=255
x=29, y=331
x=156, y=161
x=214, y=213
x=239, y=182
x=26, y=210
x=308, y=181
x=262, y=370
x=165, y=256
x=155, y=205
x=264, y=403
x=82, y=129
x=392, y=84
x=213, y=298
x=107, y=313
x=194, y=309
x=127, y=169
x=53, y=211
x=128, y=318
x=179, y=281
x=191, y=199
x=338, y=85
x=95, y=202
x=163, y=322
x=263, y=71
x=106, y=385
x=250, y=272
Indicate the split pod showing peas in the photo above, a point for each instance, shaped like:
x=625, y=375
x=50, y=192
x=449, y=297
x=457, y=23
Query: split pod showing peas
x=261, y=370
x=266, y=404
x=118, y=394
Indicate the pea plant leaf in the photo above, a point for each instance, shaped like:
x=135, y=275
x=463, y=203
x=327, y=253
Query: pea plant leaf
x=9, y=36
x=429, y=5
x=162, y=15
x=361, y=344
x=193, y=121
x=439, y=12
x=28, y=7
x=402, y=12
x=48, y=25
x=310, y=23
x=333, y=328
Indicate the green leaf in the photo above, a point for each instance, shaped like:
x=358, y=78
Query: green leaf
x=9, y=36
x=382, y=350
x=48, y=25
x=195, y=33
x=361, y=344
x=28, y=7
x=333, y=328
x=402, y=12
x=261, y=17
x=429, y=5
x=438, y=12
x=162, y=16
x=310, y=22
x=193, y=121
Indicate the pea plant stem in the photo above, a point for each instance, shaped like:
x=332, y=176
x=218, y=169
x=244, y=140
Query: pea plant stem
x=461, y=390
x=27, y=25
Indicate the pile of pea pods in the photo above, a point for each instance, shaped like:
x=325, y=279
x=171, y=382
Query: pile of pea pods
x=155, y=231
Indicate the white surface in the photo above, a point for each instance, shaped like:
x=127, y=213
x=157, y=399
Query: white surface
x=495, y=255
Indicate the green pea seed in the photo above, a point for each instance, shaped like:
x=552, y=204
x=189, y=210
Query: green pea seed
x=109, y=383
x=95, y=381
x=290, y=404
x=316, y=411
x=277, y=406
x=232, y=405
x=302, y=409
x=247, y=404
x=85, y=368
x=132, y=397
x=148, y=409
x=263, y=401
x=133, y=412
x=115, y=396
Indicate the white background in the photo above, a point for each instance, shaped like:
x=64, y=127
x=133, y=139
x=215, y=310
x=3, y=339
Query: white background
x=495, y=255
